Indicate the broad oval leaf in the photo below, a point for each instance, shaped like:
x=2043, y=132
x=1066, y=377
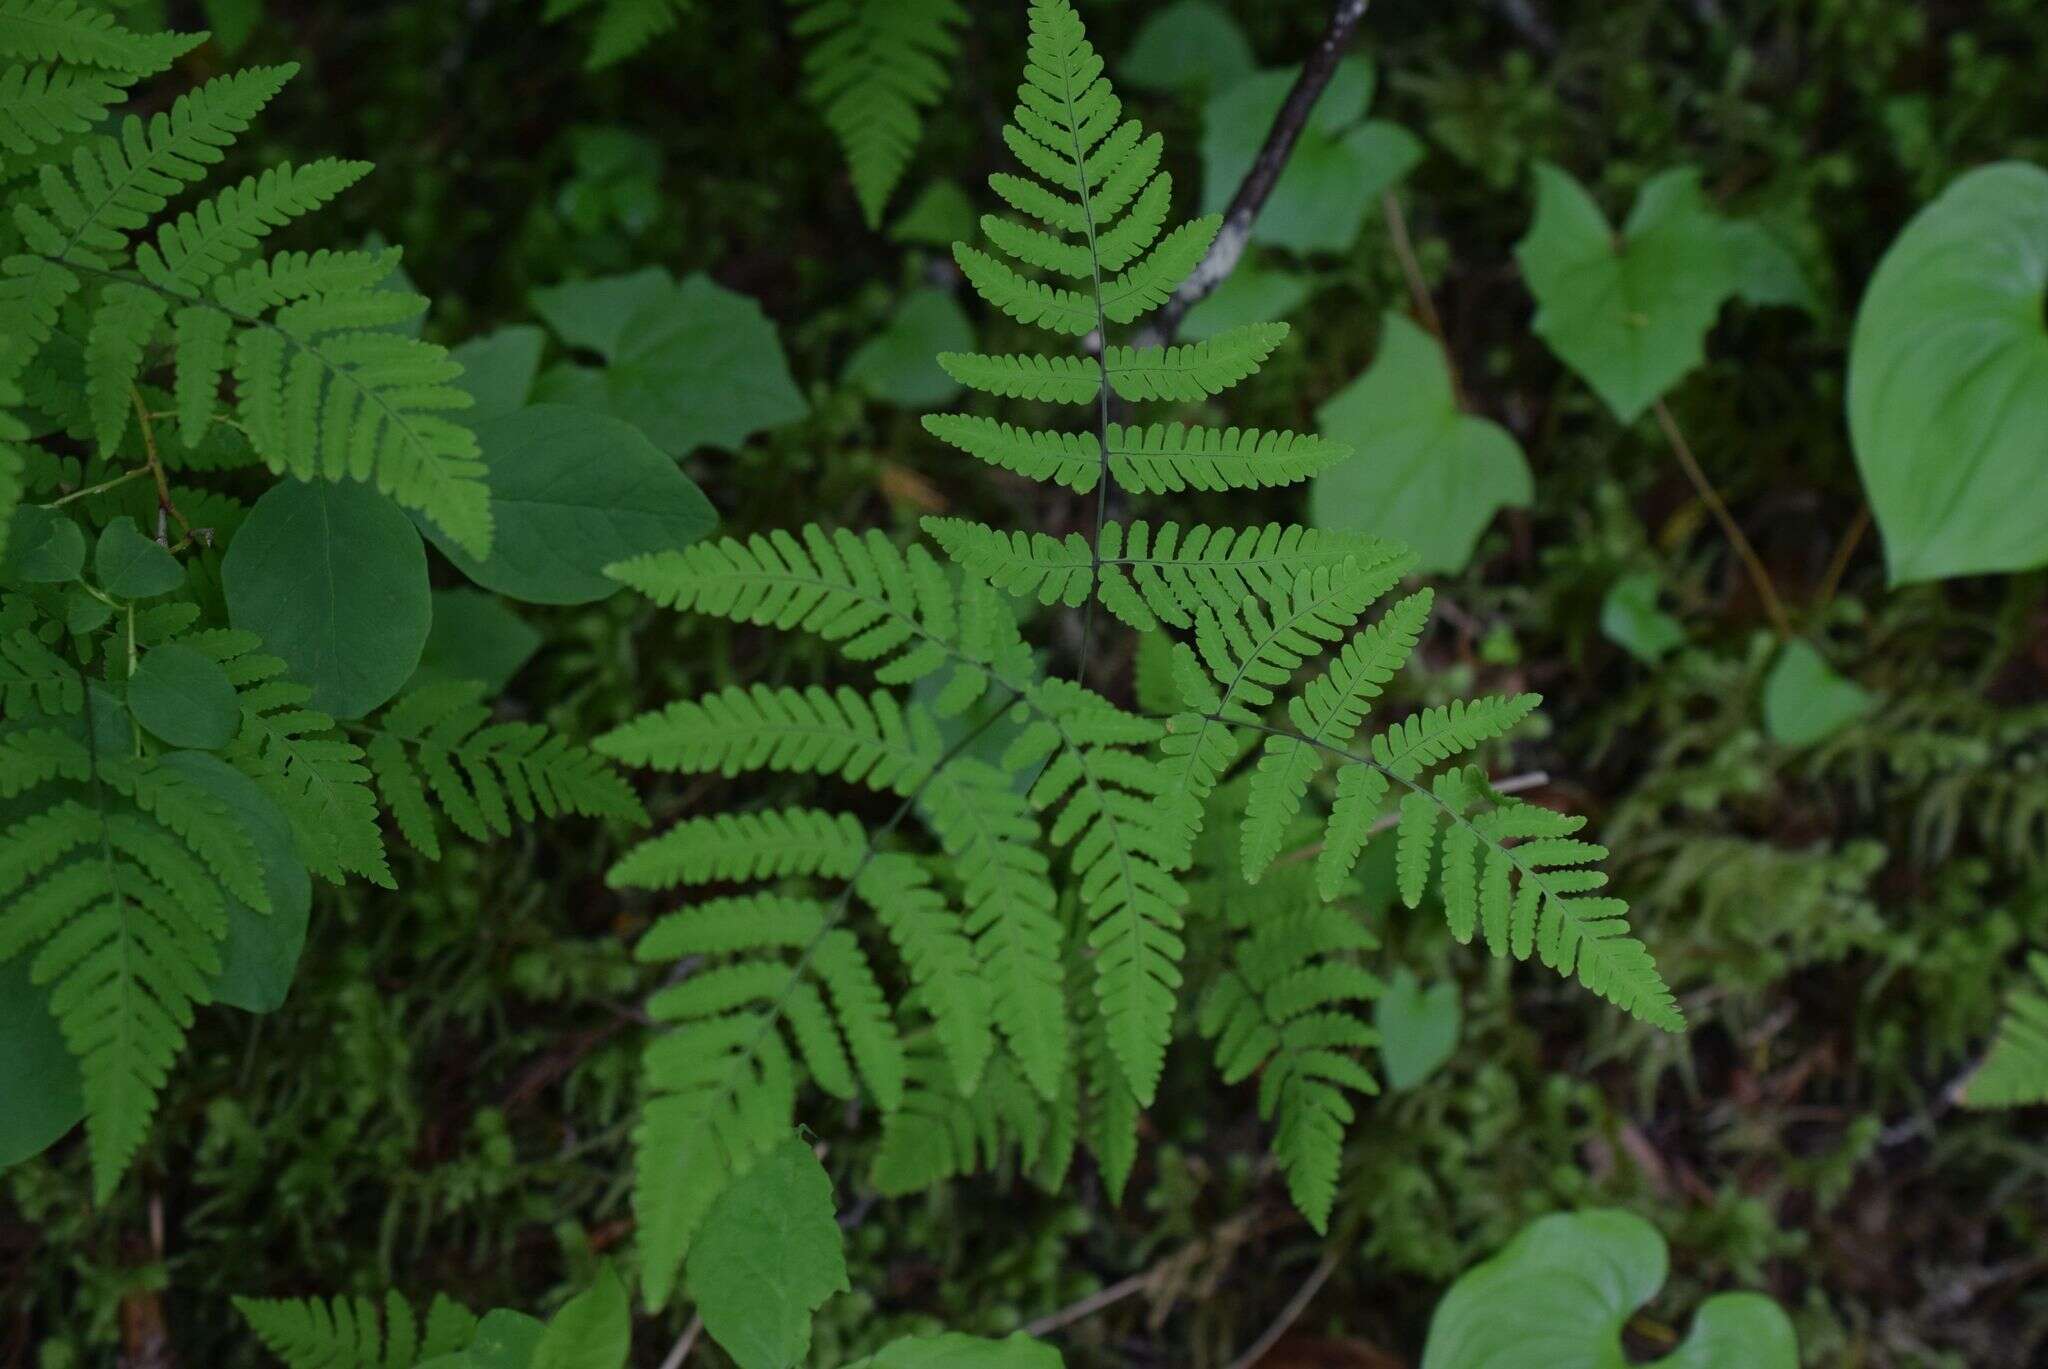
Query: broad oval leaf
x=900, y=364
x=1630, y=618
x=260, y=954
x=43, y=548
x=474, y=637
x=1418, y=1027
x=1559, y=1294
x=333, y=578
x=1191, y=45
x=768, y=1256
x=571, y=493
x=498, y=370
x=594, y=1329
x=1948, y=381
x=690, y=364
x=184, y=697
x=952, y=1350
x=1420, y=472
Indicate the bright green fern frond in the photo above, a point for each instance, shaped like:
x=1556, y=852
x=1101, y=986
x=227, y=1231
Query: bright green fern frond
x=876, y=603
x=117, y=185
x=1027, y=301
x=873, y=67
x=119, y=885
x=1329, y=711
x=1288, y=1009
x=870, y=739
x=1123, y=848
x=1193, y=371
x=67, y=31
x=990, y=835
x=939, y=1134
x=2015, y=1073
x=343, y=1333
x=1167, y=458
x=744, y=846
x=1070, y=459
x=1057, y=380
x=437, y=745
x=933, y=941
x=204, y=242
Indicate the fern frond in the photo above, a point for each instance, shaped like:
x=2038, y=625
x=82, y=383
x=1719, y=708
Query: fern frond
x=932, y=940
x=1023, y=299
x=1167, y=458
x=1330, y=710
x=439, y=741
x=1123, y=851
x=624, y=27
x=870, y=739
x=344, y=1333
x=122, y=883
x=1244, y=658
x=872, y=68
x=1055, y=379
x=67, y=31
x=877, y=604
x=1193, y=371
x=2015, y=1073
x=1070, y=459
x=744, y=846
x=1284, y=1010
x=41, y=106
x=313, y=772
x=205, y=241
x=940, y=1134
x=117, y=185
x=35, y=679
x=991, y=840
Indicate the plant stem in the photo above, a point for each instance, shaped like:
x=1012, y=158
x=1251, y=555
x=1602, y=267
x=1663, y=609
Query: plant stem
x=101, y=488
x=1759, y=577
x=1418, y=288
x=1838, y=565
x=1258, y=183
x=164, y=503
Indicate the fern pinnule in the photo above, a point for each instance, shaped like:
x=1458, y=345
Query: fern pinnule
x=744, y=846
x=344, y=1333
x=2015, y=1072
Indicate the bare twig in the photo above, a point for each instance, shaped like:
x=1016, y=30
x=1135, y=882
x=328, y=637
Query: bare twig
x=1291, y=1313
x=684, y=1346
x=1258, y=183
x=1711, y=497
x=1838, y=566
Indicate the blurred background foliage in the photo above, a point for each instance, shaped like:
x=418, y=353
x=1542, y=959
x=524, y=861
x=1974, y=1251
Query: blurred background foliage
x=444, y=1102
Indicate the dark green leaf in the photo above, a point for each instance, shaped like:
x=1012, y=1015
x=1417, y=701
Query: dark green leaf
x=260, y=954
x=498, y=370
x=474, y=637
x=571, y=493
x=1250, y=294
x=955, y=1351
x=38, y=1077
x=184, y=697
x=43, y=548
x=333, y=578
x=900, y=364
x=1630, y=618
x=1191, y=46
x=690, y=364
x=593, y=1331
x=131, y=566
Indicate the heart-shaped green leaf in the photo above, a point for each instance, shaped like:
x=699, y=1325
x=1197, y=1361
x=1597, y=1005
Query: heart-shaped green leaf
x=1805, y=701
x=1630, y=618
x=1948, y=381
x=1560, y=1293
x=1418, y=1028
x=1189, y=46
x=1420, y=472
x=43, y=548
x=900, y=364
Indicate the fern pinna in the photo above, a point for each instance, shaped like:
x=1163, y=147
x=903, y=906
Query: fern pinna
x=1017, y=992
x=169, y=780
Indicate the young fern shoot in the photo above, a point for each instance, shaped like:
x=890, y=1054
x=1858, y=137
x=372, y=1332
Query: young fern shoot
x=1020, y=996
